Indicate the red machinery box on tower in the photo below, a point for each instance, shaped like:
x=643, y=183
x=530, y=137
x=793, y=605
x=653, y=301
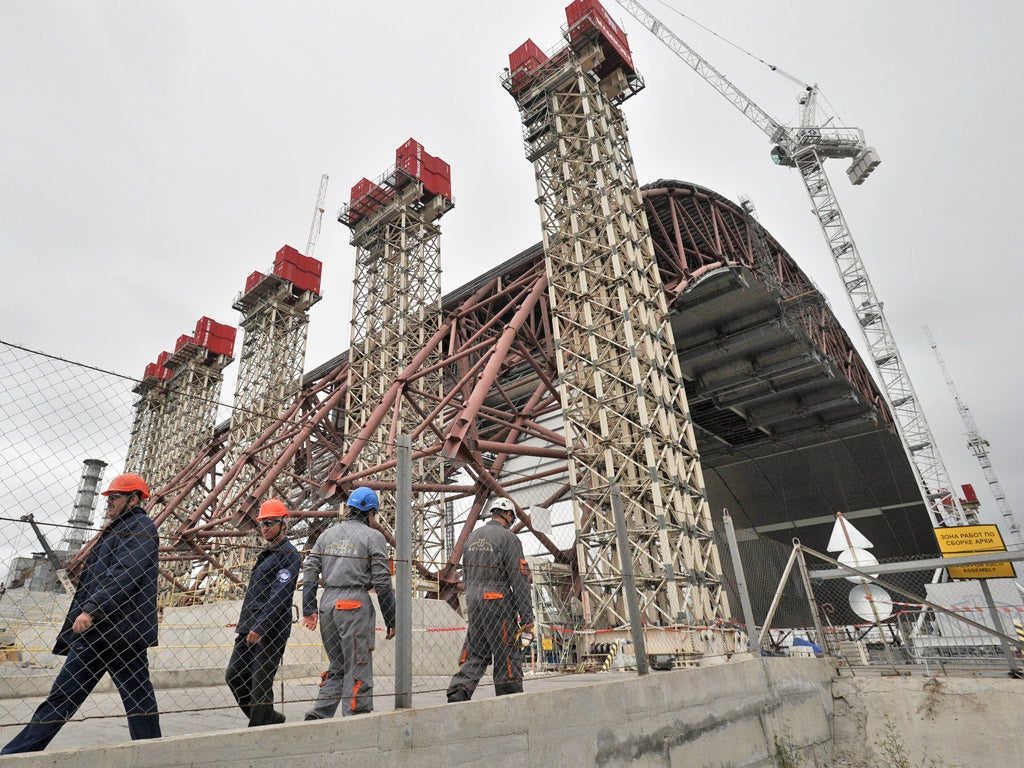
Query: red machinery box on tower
x=253, y=280
x=182, y=341
x=157, y=371
x=434, y=172
x=522, y=62
x=366, y=198
x=586, y=15
x=301, y=271
x=214, y=336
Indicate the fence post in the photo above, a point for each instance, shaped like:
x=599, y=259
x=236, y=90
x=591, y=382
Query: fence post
x=811, y=600
x=629, y=582
x=753, y=638
x=997, y=624
x=403, y=574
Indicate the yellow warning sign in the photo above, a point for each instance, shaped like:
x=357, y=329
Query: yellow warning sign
x=960, y=540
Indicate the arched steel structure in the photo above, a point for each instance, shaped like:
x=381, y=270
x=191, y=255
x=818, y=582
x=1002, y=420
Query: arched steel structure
x=779, y=351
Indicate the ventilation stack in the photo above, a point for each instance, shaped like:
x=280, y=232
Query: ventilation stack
x=81, y=522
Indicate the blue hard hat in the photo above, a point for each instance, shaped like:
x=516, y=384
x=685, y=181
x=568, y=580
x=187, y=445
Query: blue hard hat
x=363, y=499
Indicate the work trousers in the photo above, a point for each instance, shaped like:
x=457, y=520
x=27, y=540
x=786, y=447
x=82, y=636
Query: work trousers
x=250, y=676
x=347, y=620
x=85, y=665
x=492, y=637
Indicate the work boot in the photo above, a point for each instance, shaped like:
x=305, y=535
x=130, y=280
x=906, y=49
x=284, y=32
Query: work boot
x=265, y=714
x=457, y=694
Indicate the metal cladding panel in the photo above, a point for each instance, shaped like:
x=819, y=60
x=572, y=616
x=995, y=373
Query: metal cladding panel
x=302, y=271
x=582, y=15
x=527, y=55
x=366, y=198
x=253, y=280
x=434, y=172
x=969, y=495
x=219, y=346
x=161, y=359
x=300, y=278
x=157, y=371
x=438, y=184
x=286, y=255
x=522, y=62
x=360, y=188
x=208, y=327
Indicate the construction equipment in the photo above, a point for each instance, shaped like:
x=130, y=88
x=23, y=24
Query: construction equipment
x=58, y=567
x=318, y=215
x=979, y=447
x=806, y=147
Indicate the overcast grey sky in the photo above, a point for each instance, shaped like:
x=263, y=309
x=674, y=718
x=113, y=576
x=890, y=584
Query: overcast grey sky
x=154, y=154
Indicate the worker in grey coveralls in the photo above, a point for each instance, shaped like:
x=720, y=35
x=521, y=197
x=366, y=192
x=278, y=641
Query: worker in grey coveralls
x=350, y=558
x=498, y=599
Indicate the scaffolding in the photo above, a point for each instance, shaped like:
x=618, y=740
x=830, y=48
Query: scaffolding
x=396, y=311
x=626, y=415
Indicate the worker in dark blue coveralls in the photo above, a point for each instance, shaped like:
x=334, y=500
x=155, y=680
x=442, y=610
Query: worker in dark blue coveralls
x=110, y=625
x=266, y=619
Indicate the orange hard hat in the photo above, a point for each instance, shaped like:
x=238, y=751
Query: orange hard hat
x=128, y=483
x=272, y=508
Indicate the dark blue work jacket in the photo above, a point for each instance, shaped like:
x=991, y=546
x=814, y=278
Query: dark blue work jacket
x=267, y=607
x=118, y=586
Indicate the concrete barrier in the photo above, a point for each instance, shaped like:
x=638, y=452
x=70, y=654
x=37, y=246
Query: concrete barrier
x=943, y=721
x=196, y=642
x=727, y=715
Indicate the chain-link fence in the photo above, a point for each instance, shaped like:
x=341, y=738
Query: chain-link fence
x=68, y=428
x=901, y=615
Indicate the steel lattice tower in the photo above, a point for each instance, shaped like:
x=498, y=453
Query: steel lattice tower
x=144, y=449
x=396, y=311
x=275, y=318
x=190, y=416
x=626, y=415
x=190, y=413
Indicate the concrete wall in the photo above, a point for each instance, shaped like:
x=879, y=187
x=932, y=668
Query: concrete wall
x=941, y=721
x=718, y=716
x=196, y=642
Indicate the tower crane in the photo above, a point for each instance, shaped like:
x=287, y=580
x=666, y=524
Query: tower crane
x=318, y=215
x=979, y=447
x=806, y=147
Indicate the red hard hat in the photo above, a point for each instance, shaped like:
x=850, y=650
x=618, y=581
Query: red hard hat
x=272, y=508
x=128, y=483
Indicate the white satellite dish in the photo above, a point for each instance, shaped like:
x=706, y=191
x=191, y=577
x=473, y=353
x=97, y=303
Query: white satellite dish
x=858, y=558
x=861, y=598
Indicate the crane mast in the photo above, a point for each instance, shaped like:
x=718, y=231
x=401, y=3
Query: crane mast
x=979, y=447
x=805, y=147
x=318, y=215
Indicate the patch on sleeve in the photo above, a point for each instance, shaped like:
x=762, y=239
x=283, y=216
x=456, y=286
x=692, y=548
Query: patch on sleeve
x=284, y=576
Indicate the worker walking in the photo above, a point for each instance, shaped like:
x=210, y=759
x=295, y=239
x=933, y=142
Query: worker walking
x=498, y=599
x=110, y=625
x=265, y=621
x=349, y=558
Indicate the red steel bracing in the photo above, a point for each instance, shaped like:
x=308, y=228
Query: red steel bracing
x=499, y=389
